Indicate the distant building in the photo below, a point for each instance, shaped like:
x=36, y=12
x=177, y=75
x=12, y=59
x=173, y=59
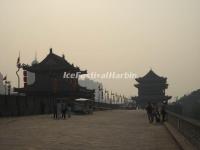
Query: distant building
x=4, y=87
x=93, y=85
x=151, y=88
x=49, y=79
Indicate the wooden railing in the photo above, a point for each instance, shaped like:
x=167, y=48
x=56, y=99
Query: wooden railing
x=190, y=128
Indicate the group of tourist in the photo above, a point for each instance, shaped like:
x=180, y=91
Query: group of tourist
x=60, y=110
x=156, y=113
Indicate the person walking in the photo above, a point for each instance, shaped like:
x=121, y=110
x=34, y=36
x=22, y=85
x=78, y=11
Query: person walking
x=163, y=112
x=55, y=113
x=69, y=110
x=156, y=113
x=149, y=110
x=59, y=110
x=63, y=107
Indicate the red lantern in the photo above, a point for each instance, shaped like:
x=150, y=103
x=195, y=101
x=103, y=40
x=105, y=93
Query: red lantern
x=25, y=79
x=25, y=84
x=25, y=73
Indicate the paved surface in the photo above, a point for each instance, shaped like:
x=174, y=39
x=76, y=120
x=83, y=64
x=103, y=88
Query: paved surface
x=105, y=130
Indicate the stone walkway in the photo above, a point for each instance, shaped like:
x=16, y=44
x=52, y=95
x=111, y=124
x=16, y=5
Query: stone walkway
x=105, y=130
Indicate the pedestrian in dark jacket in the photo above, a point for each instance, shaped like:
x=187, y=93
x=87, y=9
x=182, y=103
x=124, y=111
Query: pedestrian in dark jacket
x=156, y=113
x=55, y=114
x=149, y=110
x=163, y=112
x=63, y=107
x=69, y=110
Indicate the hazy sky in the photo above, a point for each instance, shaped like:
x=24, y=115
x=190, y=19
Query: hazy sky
x=107, y=35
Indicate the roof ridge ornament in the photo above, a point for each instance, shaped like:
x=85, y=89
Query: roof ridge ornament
x=50, y=50
x=63, y=56
x=36, y=55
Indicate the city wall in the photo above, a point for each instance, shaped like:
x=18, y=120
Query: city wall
x=25, y=105
x=15, y=105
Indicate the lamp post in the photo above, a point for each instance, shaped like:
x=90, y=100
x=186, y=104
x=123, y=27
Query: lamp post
x=5, y=86
x=9, y=87
x=120, y=99
x=112, y=94
x=108, y=97
x=116, y=98
x=19, y=66
x=18, y=79
x=105, y=96
x=100, y=90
